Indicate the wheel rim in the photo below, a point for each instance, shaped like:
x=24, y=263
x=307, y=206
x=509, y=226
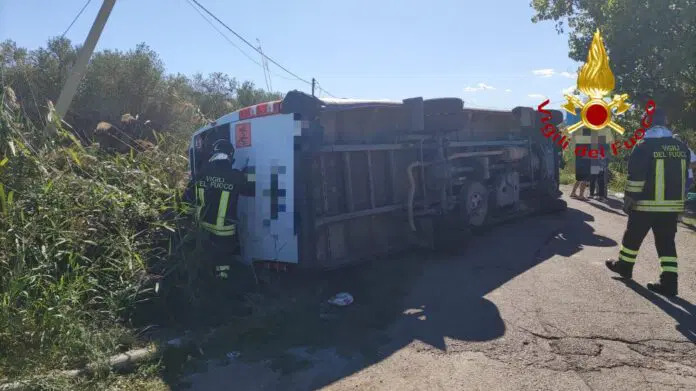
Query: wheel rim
x=477, y=207
x=475, y=204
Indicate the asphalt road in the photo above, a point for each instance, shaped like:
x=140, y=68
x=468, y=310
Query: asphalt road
x=528, y=305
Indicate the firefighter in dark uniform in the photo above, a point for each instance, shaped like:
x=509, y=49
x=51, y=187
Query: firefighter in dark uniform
x=654, y=197
x=218, y=187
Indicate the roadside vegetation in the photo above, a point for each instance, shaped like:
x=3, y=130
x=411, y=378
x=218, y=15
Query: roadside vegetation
x=80, y=231
x=88, y=234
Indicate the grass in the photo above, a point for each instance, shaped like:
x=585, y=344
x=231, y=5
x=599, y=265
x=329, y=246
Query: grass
x=567, y=175
x=567, y=178
x=618, y=181
x=85, y=236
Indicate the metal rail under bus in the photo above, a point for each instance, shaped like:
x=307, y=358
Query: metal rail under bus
x=345, y=150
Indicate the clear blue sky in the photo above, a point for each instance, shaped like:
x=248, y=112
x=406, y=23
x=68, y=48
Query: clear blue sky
x=483, y=51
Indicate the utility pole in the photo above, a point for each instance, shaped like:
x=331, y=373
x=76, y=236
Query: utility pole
x=313, y=83
x=78, y=70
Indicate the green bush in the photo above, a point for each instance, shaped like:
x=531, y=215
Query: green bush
x=81, y=233
x=567, y=178
x=567, y=175
x=618, y=181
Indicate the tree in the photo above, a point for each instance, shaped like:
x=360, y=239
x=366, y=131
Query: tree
x=248, y=95
x=118, y=82
x=36, y=75
x=651, y=46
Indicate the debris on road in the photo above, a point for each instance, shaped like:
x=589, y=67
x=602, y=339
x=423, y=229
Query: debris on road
x=232, y=355
x=176, y=342
x=341, y=299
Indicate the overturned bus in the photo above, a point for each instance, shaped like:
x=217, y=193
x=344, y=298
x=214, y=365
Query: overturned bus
x=338, y=181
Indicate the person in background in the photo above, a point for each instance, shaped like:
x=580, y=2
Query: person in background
x=583, y=166
x=604, y=174
x=597, y=180
x=692, y=167
x=580, y=185
x=653, y=199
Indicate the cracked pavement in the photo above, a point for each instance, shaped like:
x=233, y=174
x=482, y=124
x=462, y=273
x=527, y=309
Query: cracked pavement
x=528, y=305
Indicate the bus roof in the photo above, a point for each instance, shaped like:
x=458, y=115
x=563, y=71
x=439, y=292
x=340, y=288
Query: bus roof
x=300, y=102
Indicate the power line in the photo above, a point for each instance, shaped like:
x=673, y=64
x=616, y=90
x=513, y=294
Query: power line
x=248, y=43
x=75, y=19
x=223, y=35
x=232, y=42
x=252, y=46
x=322, y=89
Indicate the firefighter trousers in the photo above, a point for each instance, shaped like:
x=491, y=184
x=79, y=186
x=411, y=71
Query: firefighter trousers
x=222, y=253
x=664, y=227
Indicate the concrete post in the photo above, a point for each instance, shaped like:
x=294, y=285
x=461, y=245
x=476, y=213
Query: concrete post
x=78, y=70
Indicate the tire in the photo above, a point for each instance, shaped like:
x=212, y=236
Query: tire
x=473, y=203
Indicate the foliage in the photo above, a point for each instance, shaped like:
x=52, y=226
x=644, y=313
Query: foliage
x=79, y=230
x=618, y=181
x=86, y=235
x=119, y=82
x=567, y=178
x=650, y=45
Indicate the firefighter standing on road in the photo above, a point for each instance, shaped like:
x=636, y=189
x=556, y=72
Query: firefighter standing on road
x=654, y=197
x=218, y=187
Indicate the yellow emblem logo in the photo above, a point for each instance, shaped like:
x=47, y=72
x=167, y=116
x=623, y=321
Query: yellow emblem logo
x=596, y=81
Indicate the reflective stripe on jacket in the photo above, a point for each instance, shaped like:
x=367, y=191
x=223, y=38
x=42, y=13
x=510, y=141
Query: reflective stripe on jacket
x=217, y=191
x=657, y=172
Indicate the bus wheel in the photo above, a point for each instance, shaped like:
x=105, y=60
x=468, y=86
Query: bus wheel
x=473, y=203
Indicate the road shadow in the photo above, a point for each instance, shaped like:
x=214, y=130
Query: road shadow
x=450, y=300
x=423, y=298
x=681, y=310
x=615, y=206
x=689, y=223
x=614, y=203
x=608, y=209
x=574, y=236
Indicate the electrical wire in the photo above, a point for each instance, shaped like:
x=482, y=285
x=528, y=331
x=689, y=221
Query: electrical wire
x=322, y=89
x=75, y=19
x=252, y=46
x=248, y=43
x=210, y=22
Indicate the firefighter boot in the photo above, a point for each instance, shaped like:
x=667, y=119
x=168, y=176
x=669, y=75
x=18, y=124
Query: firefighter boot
x=623, y=268
x=667, y=285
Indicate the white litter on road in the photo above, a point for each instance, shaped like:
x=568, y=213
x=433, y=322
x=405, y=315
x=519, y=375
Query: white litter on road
x=341, y=299
x=233, y=355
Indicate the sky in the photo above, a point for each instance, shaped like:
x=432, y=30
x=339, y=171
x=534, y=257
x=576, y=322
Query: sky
x=487, y=52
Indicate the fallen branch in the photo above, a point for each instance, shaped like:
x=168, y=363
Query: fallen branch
x=119, y=361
